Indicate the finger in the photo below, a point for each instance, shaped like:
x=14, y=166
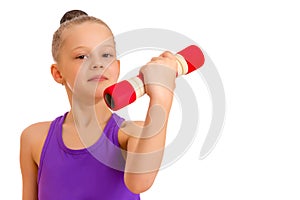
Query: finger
x=168, y=54
x=156, y=58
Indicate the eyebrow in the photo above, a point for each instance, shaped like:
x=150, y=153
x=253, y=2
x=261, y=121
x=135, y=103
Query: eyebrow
x=86, y=48
x=79, y=47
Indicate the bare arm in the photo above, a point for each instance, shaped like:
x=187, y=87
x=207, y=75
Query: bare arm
x=32, y=140
x=145, y=146
x=29, y=168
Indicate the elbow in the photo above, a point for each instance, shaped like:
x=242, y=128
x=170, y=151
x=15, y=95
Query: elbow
x=138, y=188
x=139, y=185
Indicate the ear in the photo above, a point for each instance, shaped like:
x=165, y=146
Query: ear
x=56, y=74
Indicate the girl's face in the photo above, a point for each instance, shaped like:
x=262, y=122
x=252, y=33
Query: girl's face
x=87, y=60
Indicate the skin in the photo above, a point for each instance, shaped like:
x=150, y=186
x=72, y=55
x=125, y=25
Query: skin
x=76, y=69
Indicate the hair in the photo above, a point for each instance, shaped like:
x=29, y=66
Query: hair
x=70, y=18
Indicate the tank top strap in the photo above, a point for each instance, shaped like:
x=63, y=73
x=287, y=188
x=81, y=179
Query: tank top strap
x=55, y=124
x=112, y=128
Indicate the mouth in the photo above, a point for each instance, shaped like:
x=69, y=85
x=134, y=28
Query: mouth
x=98, y=78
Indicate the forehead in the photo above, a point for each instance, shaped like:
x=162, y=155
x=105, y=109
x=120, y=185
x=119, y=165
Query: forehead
x=87, y=34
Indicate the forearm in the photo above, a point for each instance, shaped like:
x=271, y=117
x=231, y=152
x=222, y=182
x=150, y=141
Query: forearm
x=146, y=148
x=151, y=140
x=145, y=152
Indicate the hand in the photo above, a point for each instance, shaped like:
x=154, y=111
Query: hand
x=159, y=75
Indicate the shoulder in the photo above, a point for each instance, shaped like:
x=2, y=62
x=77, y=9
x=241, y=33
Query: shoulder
x=35, y=130
x=33, y=138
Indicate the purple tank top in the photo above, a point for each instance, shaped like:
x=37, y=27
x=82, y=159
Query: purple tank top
x=93, y=173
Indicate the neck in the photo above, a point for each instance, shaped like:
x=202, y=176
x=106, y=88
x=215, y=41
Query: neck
x=86, y=116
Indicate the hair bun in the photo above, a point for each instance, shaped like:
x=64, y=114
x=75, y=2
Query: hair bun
x=71, y=15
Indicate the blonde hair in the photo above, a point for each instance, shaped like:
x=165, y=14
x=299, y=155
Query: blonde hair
x=70, y=18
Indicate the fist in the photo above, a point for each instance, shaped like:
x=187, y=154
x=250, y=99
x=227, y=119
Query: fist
x=159, y=75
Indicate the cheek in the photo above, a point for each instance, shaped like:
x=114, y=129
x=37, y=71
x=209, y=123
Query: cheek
x=115, y=70
x=73, y=75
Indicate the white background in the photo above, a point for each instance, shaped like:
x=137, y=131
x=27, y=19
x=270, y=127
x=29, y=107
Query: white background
x=255, y=47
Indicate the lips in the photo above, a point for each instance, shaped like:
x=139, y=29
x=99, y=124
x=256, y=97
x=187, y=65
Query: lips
x=98, y=78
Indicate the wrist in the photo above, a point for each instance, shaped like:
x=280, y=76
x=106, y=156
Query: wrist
x=163, y=99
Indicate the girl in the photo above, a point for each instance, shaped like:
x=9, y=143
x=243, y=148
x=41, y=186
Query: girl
x=90, y=152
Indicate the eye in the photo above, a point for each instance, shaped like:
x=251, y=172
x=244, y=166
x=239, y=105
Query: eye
x=82, y=57
x=107, y=55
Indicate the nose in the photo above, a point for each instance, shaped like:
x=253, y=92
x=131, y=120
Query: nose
x=98, y=66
